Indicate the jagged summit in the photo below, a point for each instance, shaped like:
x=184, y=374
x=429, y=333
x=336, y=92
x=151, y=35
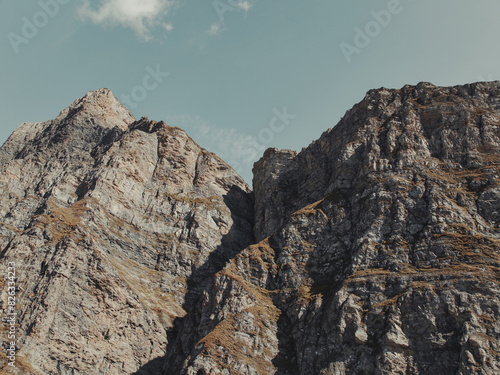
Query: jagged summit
x=417, y=127
x=84, y=123
x=101, y=106
x=111, y=221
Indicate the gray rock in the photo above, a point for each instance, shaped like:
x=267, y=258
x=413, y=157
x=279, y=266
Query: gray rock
x=372, y=251
x=110, y=222
x=379, y=244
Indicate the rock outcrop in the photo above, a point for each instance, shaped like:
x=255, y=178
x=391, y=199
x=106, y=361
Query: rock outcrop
x=379, y=247
x=375, y=250
x=110, y=222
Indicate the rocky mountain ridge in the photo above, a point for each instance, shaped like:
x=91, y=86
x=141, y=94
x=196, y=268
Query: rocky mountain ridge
x=81, y=206
x=375, y=250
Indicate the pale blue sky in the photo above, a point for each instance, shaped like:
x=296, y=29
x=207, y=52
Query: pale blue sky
x=230, y=80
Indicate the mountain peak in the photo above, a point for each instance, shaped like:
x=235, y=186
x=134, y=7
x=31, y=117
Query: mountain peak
x=375, y=249
x=101, y=106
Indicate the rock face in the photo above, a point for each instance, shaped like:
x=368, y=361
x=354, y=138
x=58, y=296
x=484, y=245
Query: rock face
x=110, y=221
x=375, y=250
x=379, y=248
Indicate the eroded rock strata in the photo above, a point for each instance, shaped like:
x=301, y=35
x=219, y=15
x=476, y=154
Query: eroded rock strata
x=379, y=247
x=112, y=223
x=375, y=250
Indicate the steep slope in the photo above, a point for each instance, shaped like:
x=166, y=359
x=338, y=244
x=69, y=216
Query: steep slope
x=113, y=225
x=379, y=248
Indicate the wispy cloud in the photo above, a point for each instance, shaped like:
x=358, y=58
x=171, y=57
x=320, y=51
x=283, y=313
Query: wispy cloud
x=168, y=26
x=215, y=29
x=139, y=15
x=221, y=8
x=244, y=5
x=238, y=149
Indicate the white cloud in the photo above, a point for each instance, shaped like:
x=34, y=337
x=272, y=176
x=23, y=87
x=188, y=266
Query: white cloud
x=168, y=26
x=215, y=29
x=245, y=5
x=139, y=15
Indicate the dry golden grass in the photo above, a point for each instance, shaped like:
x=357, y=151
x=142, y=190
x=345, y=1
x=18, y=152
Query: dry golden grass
x=23, y=366
x=387, y=303
x=380, y=272
x=143, y=282
x=262, y=254
x=10, y=227
x=306, y=294
x=62, y=221
x=476, y=249
x=226, y=348
x=210, y=202
x=310, y=210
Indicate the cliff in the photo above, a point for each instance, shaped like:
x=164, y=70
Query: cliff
x=374, y=250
